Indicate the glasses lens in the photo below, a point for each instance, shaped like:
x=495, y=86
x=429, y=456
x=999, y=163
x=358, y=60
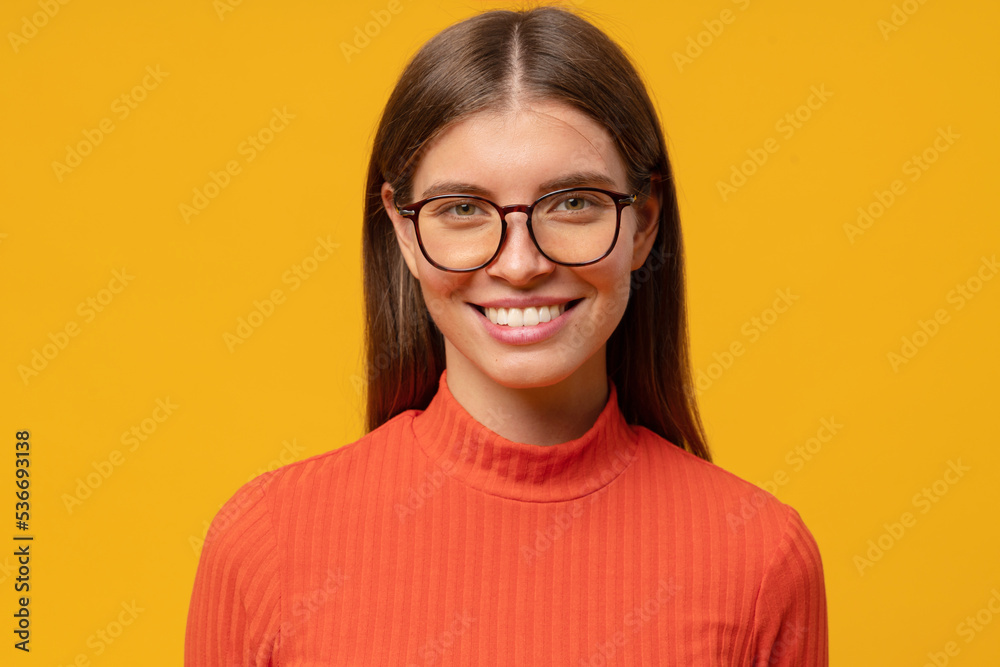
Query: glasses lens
x=459, y=232
x=575, y=227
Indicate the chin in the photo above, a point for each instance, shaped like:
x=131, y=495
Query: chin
x=532, y=374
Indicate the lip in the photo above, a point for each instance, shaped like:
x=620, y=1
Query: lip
x=524, y=335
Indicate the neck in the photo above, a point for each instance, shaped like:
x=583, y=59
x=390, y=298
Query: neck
x=535, y=415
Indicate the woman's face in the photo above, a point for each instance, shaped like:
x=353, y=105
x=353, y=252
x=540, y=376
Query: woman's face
x=514, y=157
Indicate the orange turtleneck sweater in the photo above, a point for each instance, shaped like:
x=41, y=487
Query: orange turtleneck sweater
x=434, y=541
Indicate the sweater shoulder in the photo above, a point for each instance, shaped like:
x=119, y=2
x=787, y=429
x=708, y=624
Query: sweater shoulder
x=727, y=500
x=304, y=475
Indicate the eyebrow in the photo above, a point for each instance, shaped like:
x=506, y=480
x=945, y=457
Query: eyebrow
x=577, y=179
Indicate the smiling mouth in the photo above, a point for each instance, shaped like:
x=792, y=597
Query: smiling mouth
x=525, y=317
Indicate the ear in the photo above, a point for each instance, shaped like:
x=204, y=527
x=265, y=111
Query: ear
x=647, y=214
x=403, y=227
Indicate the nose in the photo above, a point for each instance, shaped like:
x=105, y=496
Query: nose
x=519, y=261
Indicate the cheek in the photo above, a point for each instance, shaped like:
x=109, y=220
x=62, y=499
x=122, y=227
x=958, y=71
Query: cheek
x=615, y=269
x=611, y=284
x=613, y=288
x=615, y=304
x=442, y=293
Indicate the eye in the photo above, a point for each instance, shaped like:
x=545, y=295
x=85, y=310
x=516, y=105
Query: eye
x=455, y=208
x=464, y=209
x=575, y=203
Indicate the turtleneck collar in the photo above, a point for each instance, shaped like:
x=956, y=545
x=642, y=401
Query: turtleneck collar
x=469, y=451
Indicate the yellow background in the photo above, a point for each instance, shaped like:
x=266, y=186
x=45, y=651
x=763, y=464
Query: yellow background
x=287, y=392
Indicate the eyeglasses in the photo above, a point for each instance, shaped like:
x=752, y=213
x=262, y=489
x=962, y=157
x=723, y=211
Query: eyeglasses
x=572, y=227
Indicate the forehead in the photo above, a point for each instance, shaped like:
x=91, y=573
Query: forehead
x=513, y=153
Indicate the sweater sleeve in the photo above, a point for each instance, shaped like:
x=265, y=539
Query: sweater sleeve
x=790, y=626
x=234, y=612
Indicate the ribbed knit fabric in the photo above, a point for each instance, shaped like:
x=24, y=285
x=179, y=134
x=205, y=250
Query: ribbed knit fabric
x=434, y=541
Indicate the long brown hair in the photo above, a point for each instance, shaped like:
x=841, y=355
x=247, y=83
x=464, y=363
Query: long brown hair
x=543, y=53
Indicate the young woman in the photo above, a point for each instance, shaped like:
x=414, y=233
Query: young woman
x=535, y=488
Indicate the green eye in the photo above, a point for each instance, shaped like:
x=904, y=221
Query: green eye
x=573, y=204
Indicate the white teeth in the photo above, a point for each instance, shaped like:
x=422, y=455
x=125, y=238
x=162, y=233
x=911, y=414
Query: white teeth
x=524, y=317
